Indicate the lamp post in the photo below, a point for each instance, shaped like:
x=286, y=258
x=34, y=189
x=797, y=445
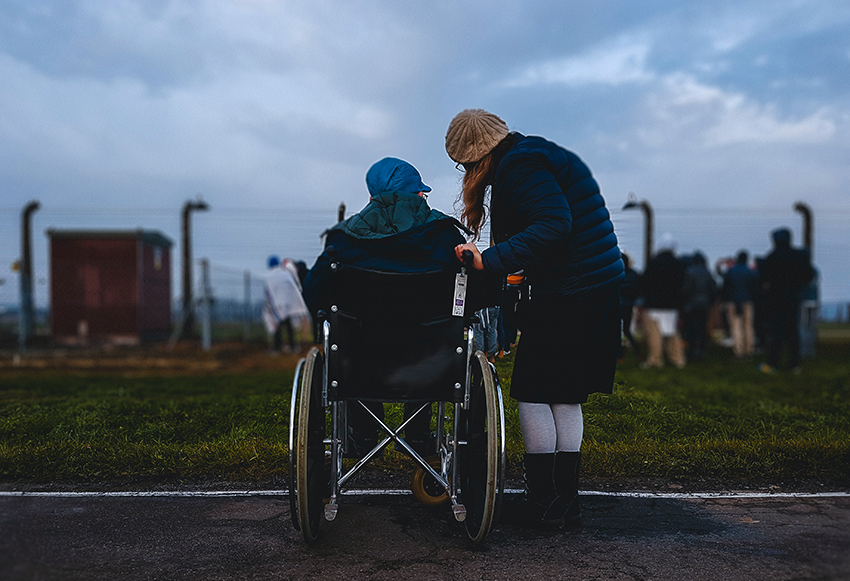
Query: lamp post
x=188, y=314
x=809, y=306
x=633, y=202
x=25, y=323
x=808, y=228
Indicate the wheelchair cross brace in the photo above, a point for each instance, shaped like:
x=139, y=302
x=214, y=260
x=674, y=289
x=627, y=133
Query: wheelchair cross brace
x=338, y=479
x=335, y=446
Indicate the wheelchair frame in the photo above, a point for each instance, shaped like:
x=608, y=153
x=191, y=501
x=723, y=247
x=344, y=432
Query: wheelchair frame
x=471, y=452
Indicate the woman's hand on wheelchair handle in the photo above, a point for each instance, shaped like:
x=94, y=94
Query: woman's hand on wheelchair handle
x=477, y=262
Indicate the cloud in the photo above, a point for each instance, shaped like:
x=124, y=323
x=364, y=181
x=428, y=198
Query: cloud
x=733, y=30
x=703, y=114
x=614, y=65
x=751, y=123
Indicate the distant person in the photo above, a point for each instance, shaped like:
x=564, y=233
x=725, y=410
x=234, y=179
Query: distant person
x=699, y=294
x=782, y=276
x=548, y=218
x=809, y=315
x=721, y=267
x=486, y=332
x=395, y=232
x=284, y=307
x=738, y=295
x=507, y=314
x=628, y=298
x=302, y=269
x=660, y=288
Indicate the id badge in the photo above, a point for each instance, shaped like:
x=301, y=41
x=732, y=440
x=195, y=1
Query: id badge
x=460, y=295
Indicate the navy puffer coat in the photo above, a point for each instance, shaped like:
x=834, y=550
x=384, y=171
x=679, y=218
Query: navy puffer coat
x=548, y=218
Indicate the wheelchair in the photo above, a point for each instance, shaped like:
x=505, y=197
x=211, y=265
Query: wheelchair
x=397, y=338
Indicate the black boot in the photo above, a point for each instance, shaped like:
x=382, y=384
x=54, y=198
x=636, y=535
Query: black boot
x=539, y=505
x=566, y=485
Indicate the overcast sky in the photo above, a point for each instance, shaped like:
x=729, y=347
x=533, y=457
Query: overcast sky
x=276, y=104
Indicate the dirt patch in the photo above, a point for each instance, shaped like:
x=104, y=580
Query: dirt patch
x=183, y=358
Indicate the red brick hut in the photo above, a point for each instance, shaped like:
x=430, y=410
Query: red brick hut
x=109, y=286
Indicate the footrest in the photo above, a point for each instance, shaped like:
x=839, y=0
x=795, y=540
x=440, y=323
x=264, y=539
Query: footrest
x=330, y=511
x=460, y=512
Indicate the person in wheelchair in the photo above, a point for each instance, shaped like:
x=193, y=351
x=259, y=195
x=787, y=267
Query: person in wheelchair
x=395, y=232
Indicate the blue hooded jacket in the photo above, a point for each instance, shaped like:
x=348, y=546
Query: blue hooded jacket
x=396, y=232
x=549, y=219
x=394, y=175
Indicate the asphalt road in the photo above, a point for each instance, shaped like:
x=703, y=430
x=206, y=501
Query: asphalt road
x=394, y=537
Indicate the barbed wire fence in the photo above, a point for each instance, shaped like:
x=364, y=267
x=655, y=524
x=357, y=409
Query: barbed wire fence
x=235, y=302
x=226, y=236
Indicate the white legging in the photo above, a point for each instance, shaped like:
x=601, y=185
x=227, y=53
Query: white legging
x=548, y=428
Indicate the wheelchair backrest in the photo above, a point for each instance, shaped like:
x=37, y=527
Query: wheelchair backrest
x=393, y=336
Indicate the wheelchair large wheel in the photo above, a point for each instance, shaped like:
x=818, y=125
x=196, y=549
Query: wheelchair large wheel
x=293, y=431
x=480, y=457
x=311, y=482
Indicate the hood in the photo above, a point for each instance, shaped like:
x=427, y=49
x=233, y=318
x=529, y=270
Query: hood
x=394, y=175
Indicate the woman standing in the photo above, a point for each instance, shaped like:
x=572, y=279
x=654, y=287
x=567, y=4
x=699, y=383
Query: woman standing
x=547, y=218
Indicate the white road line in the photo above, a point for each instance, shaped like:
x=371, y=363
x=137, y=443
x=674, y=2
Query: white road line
x=400, y=492
x=674, y=495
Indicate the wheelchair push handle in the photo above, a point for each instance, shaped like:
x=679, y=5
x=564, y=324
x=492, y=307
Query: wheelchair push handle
x=468, y=258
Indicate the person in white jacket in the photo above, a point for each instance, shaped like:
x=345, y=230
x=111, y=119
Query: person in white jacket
x=284, y=306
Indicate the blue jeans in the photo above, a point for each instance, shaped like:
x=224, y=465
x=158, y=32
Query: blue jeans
x=485, y=333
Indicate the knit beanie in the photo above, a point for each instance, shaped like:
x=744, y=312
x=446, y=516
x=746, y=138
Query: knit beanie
x=472, y=134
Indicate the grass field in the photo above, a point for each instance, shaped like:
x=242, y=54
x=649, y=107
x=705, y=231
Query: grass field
x=718, y=420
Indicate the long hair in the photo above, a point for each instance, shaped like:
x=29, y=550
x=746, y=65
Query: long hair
x=477, y=178
x=475, y=182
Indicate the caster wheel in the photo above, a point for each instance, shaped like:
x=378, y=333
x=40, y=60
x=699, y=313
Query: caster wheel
x=427, y=490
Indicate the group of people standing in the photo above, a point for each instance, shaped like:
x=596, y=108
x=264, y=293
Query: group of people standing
x=757, y=305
